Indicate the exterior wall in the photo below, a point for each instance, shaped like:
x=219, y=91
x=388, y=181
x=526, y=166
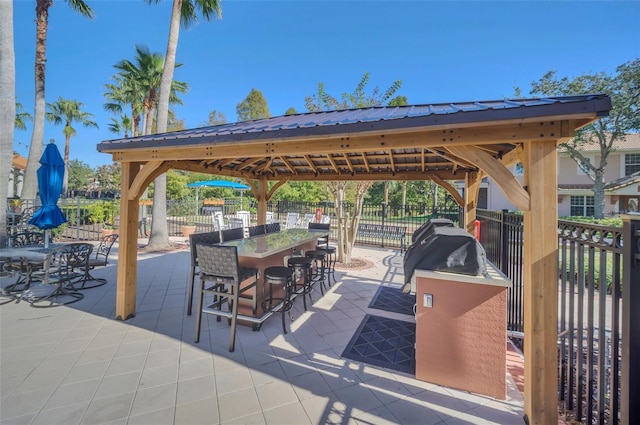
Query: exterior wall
x=568, y=174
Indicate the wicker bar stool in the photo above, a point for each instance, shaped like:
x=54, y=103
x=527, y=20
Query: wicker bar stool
x=277, y=276
x=319, y=268
x=302, y=276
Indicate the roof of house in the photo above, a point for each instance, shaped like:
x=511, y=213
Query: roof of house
x=623, y=181
x=19, y=161
x=631, y=142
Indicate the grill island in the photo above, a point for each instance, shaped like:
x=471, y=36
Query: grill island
x=461, y=312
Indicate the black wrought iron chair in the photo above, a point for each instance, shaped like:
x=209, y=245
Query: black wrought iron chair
x=222, y=278
x=21, y=266
x=208, y=238
x=60, y=268
x=101, y=259
x=27, y=239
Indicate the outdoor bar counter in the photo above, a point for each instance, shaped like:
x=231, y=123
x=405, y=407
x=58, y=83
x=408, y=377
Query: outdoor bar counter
x=272, y=249
x=461, y=330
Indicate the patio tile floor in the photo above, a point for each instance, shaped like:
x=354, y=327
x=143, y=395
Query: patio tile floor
x=77, y=365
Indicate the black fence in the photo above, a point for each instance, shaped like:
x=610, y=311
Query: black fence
x=590, y=283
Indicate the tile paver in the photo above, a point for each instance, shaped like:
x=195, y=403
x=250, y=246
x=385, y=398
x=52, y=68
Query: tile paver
x=76, y=364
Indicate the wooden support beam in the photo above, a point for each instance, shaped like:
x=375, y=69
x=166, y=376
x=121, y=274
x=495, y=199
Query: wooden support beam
x=149, y=172
x=128, y=242
x=498, y=172
x=471, y=191
x=261, y=196
x=415, y=139
x=449, y=188
x=541, y=285
x=276, y=187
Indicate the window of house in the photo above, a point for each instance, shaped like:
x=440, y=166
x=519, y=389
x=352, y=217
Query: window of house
x=583, y=166
x=631, y=163
x=582, y=206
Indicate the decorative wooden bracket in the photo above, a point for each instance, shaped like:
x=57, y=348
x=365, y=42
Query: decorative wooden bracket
x=498, y=172
x=147, y=174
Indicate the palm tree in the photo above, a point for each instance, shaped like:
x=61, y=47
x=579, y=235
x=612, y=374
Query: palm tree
x=183, y=12
x=37, y=138
x=67, y=112
x=125, y=93
x=7, y=107
x=120, y=126
x=21, y=117
x=142, y=78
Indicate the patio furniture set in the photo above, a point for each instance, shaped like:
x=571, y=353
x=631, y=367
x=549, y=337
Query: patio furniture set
x=247, y=280
x=65, y=267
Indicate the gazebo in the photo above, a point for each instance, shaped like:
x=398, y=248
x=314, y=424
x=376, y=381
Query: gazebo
x=441, y=142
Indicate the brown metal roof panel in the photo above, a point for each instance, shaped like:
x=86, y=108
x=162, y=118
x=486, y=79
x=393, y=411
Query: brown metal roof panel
x=328, y=122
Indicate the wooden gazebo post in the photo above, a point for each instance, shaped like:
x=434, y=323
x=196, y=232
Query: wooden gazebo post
x=541, y=283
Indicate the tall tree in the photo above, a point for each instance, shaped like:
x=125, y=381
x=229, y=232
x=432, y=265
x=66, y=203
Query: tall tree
x=120, y=126
x=216, y=118
x=359, y=98
x=81, y=176
x=185, y=13
x=68, y=112
x=253, y=107
x=7, y=107
x=21, y=117
x=623, y=117
x=124, y=92
x=30, y=185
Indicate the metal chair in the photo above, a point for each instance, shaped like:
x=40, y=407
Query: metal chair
x=21, y=266
x=27, y=239
x=101, y=260
x=60, y=268
x=208, y=238
x=227, y=282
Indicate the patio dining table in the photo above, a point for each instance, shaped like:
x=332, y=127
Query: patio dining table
x=272, y=249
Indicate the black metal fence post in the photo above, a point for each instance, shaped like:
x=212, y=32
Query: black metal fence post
x=384, y=214
x=504, y=244
x=630, y=388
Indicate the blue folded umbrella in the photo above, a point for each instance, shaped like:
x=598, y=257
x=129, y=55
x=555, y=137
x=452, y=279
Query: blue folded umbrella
x=50, y=178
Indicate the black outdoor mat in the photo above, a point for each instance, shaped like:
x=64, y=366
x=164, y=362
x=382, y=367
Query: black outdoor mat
x=394, y=300
x=384, y=342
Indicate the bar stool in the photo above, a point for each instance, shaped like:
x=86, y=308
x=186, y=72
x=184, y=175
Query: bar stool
x=302, y=276
x=319, y=258
x=332, y=257
x=282, y=277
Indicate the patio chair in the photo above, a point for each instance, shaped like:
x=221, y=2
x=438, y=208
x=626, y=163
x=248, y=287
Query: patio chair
x=235, y=223
x=292, y=220
x=222, y=278
x=60, y=268
x=257, y=230
x=232, y=234
x=218, y=221
x=272, y=227
x=22, y=266
x=208, y=238
x=101, y=260
x=27, y=239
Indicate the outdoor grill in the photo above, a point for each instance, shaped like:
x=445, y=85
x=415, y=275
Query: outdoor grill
x=426, y=229
x=446, y=249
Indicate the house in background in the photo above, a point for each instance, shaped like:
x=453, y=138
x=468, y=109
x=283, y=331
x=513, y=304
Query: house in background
x=16, y=176
x=575, y=187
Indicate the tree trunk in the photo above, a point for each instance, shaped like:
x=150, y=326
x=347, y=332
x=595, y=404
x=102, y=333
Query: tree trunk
x=65, y=181
x=7, y=107
x=159, y=238
x=30, y=185
x=159, y=231
x=598, y=194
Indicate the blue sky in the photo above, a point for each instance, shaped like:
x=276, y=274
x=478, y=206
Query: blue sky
x=442, y=51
